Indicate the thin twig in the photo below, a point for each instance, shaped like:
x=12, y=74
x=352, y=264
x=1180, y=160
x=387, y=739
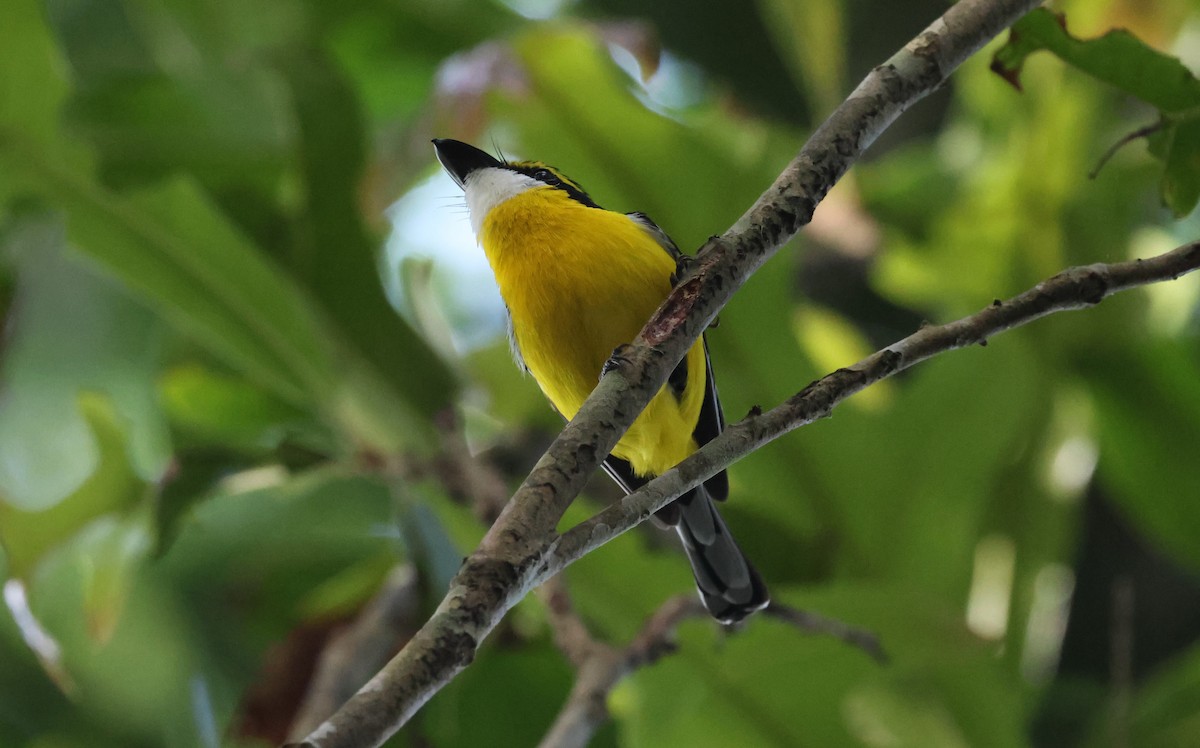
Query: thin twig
x=468, y=478
x=600, y=666
x=571, y=634
x=1141, y=132
x=815, y=623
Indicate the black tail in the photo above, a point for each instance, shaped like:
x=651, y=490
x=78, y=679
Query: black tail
x=729, y=585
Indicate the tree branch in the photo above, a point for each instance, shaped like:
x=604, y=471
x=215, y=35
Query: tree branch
x=475, y=481
x=599, y=666
x=571, y=634
x=512, y=557
x=1074, y=288
x=814, y=623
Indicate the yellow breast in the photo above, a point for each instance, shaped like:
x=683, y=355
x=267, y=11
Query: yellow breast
x=578, y=282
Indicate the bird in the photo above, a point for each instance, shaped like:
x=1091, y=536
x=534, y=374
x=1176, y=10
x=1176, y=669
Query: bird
x=578, y=282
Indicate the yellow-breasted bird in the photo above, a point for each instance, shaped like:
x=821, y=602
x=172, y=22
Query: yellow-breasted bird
x=579, y=281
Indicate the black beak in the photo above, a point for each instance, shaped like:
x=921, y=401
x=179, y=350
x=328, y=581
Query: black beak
x=460, y=159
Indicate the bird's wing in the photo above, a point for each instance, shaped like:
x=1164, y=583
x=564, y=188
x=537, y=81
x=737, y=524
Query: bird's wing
x=622, y=472
x=660, y=236
x=512, y=342
x=712, y=419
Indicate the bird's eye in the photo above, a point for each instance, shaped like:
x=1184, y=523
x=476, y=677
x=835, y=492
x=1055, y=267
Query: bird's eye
x=544, y=175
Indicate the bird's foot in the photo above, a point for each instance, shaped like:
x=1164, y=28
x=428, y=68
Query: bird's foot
x=617, y=359
x=683, y=265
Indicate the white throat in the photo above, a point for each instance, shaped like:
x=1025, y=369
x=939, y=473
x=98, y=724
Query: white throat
x=487, y=188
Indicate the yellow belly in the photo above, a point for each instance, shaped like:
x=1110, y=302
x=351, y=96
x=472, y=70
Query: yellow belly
x=579, y=282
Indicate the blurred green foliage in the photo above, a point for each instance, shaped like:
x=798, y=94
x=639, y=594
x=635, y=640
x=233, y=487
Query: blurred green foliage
x=1126, y=63
x=217, y=435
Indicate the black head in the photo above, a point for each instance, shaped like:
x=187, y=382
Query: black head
x=460, y=159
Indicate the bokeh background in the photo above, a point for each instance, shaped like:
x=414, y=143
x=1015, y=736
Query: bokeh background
x=244, y=322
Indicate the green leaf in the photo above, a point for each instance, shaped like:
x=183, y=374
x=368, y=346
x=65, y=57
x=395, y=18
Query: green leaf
x=619, y=586
x=156, y=696
x=115, y=548
x=1121, y=60
x=1118, y=58
x=150, y=111
x=338, y=260
x=1178, y=145
x=213, y=408
x=171, y=245
x=283, y=536
x=936, y=456
x=225, y=131
x=771, y=684
x=1165, y=710
x=811, y=41
x=514, y=398
x=1149, y=416
x=248, y=567
x=225, y=424
x=31, y=705
x=73, y=332
x=467, y=712
x=28, y=535
x=32, y=84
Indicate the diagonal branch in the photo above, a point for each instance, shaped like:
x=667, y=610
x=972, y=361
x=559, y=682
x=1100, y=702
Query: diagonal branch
x=511, y=559
x=1074, y=288
x=600, y=666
